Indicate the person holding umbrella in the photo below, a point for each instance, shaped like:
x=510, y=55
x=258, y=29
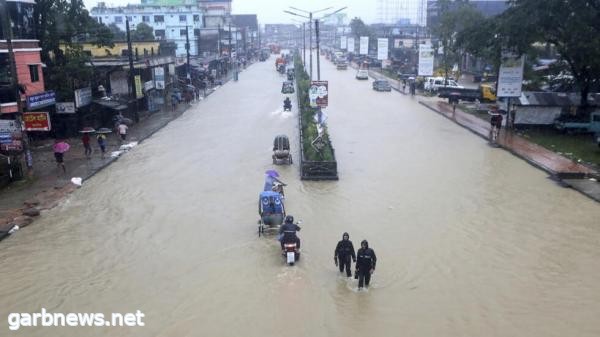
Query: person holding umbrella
x=60, y=147
x=270, y=179
x=85, y=139
x=101, y=139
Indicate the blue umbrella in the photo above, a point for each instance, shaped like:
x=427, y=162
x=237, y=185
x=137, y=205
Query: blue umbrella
x=272, y=173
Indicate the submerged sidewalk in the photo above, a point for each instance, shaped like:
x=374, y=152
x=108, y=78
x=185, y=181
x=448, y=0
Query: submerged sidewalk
x=572, y=174
x=22, y=200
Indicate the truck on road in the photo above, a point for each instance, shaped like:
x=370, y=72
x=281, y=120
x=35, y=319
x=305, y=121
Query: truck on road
x=484, y=93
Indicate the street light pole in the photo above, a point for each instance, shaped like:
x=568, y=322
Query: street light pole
x=303, y=44
x=310, y=44
x=187, y=50
x=318, y=61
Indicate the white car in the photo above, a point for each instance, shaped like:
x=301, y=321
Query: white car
x=434, y=83
x=362, y=74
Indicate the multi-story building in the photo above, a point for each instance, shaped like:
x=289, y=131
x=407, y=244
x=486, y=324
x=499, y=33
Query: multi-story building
x=217, y=13
x=27, y=56
x=171, y=20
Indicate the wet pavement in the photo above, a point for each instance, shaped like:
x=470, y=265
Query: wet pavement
x=470, y=240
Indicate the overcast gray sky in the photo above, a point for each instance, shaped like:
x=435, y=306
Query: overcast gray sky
x=270, y=11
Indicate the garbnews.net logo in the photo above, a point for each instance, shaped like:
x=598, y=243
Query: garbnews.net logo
x=43, y=318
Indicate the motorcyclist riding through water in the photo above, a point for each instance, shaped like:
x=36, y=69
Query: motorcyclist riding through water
x=287, y=232
x=287, y=103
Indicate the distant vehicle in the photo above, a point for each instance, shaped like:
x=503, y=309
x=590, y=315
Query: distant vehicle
x=591, y=126
x=341, y=65
x=484, y=93
x=432, y=84
x=362, y=74
x=381, y=85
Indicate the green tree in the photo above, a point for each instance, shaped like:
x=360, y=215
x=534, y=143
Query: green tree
x=571, y=26
x=359, y=28
x=143, y=32
x=454, y=18
x=60, y=25
x=118, y=34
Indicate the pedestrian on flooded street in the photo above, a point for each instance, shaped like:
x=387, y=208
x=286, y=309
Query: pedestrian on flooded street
x=123, y=131
x=365, y=264
x=85, y=139
x=60, y=147
x=342, y=254
x=101, y=138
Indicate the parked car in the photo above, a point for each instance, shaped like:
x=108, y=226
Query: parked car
x=362, y=74
x=381, y=85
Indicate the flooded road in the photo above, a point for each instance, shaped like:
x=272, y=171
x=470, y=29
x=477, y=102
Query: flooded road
x=470, y=240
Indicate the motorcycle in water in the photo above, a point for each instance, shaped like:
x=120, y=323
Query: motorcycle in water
x=291, y=252
x=287, y=106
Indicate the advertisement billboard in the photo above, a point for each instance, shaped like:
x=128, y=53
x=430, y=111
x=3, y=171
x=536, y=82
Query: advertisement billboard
x=343, y=42
x=43, y=99
x=510, y=76
x=83, y=97
x=351, y=45
x=425, y=60
x=318, y=94
x=364, y=45
x=382, y=49
x=36, y=121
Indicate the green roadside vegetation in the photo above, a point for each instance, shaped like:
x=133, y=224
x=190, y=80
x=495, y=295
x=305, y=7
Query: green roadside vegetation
x=578, y=147
x=309, y=127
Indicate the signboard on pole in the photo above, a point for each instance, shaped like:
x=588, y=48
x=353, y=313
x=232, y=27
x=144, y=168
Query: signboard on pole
x=65, y=108
x=351, y=45
x=36, y=121
x=510, y=77
x=83, y=97
x=41, y=100
x=11, y=138
x=318, y=93
x=382, y=49
x=343, y=42
x=138, y=86
x=364, y=45
x=425, y=60
x=159, y=78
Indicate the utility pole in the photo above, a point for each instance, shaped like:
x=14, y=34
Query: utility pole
x=130, y=56
x=310, y=43
x=6, y=27
x=230, y=47
x=318, y=61
x=303, y=44
x=187, y=51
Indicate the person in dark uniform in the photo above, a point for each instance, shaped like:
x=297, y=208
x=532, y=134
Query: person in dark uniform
x=365, y=264
x=288, y=230
x=343, y=252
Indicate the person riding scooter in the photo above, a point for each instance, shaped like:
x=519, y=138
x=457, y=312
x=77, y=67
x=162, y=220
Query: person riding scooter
x=287, y=232
x=287, y=104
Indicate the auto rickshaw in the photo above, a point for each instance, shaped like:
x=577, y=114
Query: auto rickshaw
x=281, y=151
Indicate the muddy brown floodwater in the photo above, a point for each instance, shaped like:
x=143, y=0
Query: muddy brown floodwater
x=470, y=240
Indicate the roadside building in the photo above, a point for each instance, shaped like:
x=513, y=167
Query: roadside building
x=171, y=20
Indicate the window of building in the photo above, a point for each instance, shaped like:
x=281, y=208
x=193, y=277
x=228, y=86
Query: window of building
x=196, y=18
x=129, y=18
x=145, y=18
x=118, y=19
x=159, y=18
x=160, y=34
x=196, y=32
x=182, y=32
x=33, y=73
x=183, y=18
